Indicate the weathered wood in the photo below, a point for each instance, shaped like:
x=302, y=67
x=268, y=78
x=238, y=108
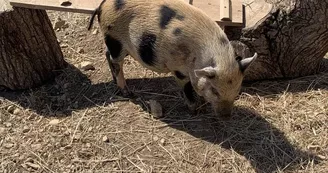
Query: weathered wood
x=290, y=36
x=225, y=10
x=29, y=51
x=210, y=7
x=78, y=6
x=255, y=11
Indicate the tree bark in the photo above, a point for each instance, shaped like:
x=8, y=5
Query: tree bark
x=290, y=36
x=29, y=51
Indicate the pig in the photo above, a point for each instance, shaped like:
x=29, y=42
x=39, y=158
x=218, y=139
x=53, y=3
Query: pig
x=172, y=36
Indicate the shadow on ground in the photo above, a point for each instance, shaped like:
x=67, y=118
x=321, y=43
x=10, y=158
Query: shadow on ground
x=251, y=136
x=247, y=133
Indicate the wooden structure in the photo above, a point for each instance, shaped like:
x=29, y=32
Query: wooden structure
x=224, y=12
x=289, y=38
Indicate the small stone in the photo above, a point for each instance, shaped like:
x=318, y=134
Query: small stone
x=66, y=133
x=7, y=124
x=2, y=130
x=156, y=109
x=57, y=144
x=26, y=129
x=66, y=85
x=87, y=65
x=76, y=105
x=322, y=157
x=105, y=139
x=36, y=146
x=67, y=147
x=17, y=111
x=162, y=141
x=65, y=45
x=77, y=137
x=155, y=138
x=80, y=50
x=60, y=24
x=54, y=122
x=95, y=32
x=11, y=109
x=314, y=147
x=8, y=145
x=32, y=165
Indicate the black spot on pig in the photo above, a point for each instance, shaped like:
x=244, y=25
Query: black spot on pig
x=114, y=46
x=184, y=49
x=147, y=48
x=177, y=31
x=180, y=17
x=167, y=14
x=119, y=4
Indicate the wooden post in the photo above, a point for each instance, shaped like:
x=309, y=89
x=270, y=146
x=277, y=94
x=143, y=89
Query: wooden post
x=29, y=51
x=225, y=10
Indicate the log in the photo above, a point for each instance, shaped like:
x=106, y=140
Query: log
x=29, y=52
x=290, y=36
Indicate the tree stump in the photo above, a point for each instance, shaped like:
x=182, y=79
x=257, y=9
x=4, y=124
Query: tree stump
x=290, y=36
x=29, y=51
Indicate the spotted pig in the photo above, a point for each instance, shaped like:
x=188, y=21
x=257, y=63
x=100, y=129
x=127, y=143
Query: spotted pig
x=173, y=36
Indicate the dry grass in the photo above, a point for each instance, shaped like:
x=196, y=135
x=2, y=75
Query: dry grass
x=277, y=126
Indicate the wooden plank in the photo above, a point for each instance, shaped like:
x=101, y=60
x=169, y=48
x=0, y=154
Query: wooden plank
x=210, y=7
x=225, y=10
x=77, y=6
x=237, y=14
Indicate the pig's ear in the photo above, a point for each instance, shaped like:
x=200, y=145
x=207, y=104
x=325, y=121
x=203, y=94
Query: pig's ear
x=208, y=72
x=244, y=63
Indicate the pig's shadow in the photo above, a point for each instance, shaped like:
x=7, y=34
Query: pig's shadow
x=247, y=132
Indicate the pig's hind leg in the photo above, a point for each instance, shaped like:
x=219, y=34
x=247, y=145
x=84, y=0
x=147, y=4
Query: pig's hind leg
x=115, y=55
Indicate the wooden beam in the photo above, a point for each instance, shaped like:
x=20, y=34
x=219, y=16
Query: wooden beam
x=213, y=10
x=225, y=10
x=77, y=6
x=210, y=7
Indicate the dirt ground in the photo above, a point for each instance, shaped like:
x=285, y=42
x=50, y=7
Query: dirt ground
x=78, y=123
